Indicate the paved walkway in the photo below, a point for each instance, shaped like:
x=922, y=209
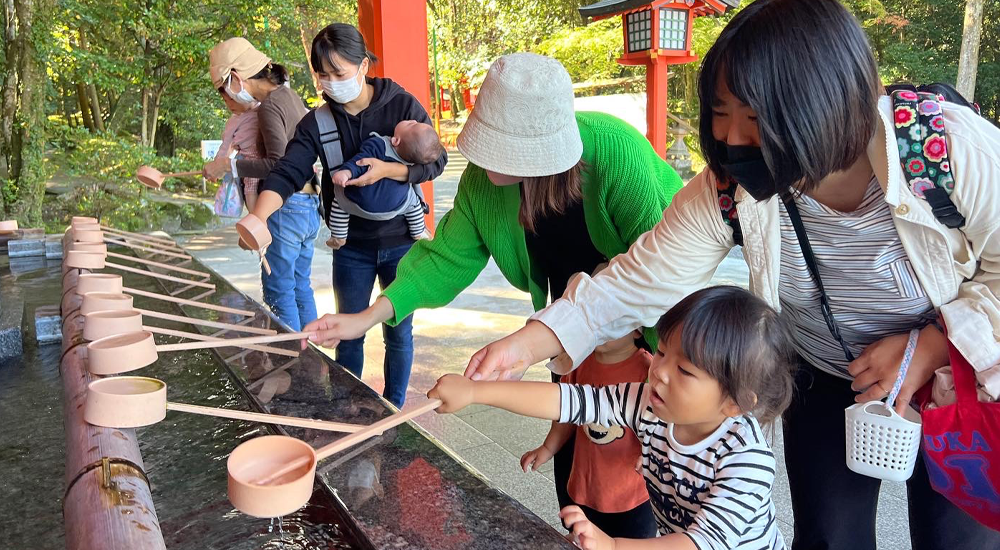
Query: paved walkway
x=490, y=440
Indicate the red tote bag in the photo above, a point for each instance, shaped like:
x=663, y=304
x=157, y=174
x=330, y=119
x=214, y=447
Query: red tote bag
x=962, y=447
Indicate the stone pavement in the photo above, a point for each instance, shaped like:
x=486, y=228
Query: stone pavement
x=490, y=440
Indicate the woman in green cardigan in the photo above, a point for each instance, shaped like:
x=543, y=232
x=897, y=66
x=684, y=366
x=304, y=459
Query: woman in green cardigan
x=540, y=177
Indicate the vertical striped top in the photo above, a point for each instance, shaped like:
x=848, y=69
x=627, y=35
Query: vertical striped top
x=871, y=285
x=716, y=491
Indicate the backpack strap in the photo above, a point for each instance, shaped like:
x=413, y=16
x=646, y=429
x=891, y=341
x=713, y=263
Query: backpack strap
x=923, y=152
x=329, y=136
x=727, y=205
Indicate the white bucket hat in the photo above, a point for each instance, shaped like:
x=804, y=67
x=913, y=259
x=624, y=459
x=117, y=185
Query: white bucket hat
x=523, y=123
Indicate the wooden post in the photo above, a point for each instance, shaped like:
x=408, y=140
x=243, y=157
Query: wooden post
x=656, y=104
x=108, y=503
x=396, y=32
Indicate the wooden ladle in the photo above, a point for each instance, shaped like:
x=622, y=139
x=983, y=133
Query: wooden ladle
x=78, y=259
x=135, y=401
x=101, y=324
x=8, y=226
x=153, y=178
x=272, y=476
x=254, y=233
x=103, y=249
x=91, y=224
x=134, y=350
x=92, y=235
x=109, y=282
x=107, y=301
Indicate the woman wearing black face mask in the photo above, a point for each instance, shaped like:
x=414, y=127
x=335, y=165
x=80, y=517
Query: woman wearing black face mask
x=856, y=246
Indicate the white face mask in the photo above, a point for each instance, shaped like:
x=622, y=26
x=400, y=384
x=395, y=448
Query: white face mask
x=343, y=91
x=243, y=96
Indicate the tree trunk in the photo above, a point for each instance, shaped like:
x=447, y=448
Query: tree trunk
x=968, y=59
x=81, y=97
x=144, y=132
x=95, y=108
x=22, y=114
x=304, y=35
x=154, y=115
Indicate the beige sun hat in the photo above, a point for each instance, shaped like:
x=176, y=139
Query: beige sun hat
x=235, y=55
x=523, y=123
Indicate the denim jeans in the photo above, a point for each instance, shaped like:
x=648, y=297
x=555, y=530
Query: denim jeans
x=287, y=290
x=354, y=273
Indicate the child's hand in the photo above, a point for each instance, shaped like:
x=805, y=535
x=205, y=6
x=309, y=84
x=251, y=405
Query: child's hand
x=533, y=460
x=585, y=534
x=455, y=392
x=340, y=177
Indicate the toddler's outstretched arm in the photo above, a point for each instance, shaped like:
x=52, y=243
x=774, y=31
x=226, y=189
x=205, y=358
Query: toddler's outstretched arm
x=536, y=399
x=589, y=537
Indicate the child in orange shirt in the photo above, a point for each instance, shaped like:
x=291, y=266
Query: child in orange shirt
x=603, y=480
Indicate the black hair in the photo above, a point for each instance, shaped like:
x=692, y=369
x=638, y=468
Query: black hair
x=274, y=73
x=806, y=69
x=941, y=89
x=424, y=148
x=344, y=40
x=739, y=341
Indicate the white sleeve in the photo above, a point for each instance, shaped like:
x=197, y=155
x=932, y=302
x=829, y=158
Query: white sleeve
x=676, y=257
x=615, y=405
x=973, y=318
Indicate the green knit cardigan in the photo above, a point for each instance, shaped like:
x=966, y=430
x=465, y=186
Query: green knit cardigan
x=626, y=187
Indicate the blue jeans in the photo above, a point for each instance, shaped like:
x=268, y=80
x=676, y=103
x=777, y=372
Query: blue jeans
x=354, y=273
x=287, y=290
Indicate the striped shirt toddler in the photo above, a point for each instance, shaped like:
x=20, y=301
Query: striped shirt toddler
x=716, y=491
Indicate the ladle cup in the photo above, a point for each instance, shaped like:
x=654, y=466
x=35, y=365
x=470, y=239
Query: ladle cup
x=108, y=301
x=134, y=350
x=101, y=324
x=109, y=282
x=151, y=177
x=136, y=401
x=78, y=259
x=254, y=233
x=272, y=476
x=8, y=226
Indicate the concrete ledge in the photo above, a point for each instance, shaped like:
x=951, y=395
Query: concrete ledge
x=11, y=319
x=23, y=248
x=48, y=325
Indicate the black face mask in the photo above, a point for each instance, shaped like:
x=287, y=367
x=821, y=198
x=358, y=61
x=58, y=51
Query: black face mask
x=745, y=163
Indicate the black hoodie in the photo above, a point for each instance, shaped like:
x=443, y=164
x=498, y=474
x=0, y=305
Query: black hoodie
x=390, y=105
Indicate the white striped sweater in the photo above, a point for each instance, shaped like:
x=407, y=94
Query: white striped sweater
x=716, y=491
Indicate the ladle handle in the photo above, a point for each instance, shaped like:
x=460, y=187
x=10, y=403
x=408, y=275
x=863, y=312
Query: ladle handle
x=267, y=266
x=155, y=275
x=169, y=245
x=141, y=236
x=236, y=342
x=204, y=323
x=353, y=439
x=266, y=418
x=206, y=338
x=158, y=264
x=153, y=251
x=186, y=302
x=182, y=174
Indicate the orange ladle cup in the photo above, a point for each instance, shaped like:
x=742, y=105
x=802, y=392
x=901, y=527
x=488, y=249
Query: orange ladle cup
x=254, y=233
x=8, y=226
x=272, y=476
x=136, y=401
x=153, y=178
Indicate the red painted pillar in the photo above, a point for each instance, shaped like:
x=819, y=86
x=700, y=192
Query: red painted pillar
x=396, y=32
x=656, y=104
